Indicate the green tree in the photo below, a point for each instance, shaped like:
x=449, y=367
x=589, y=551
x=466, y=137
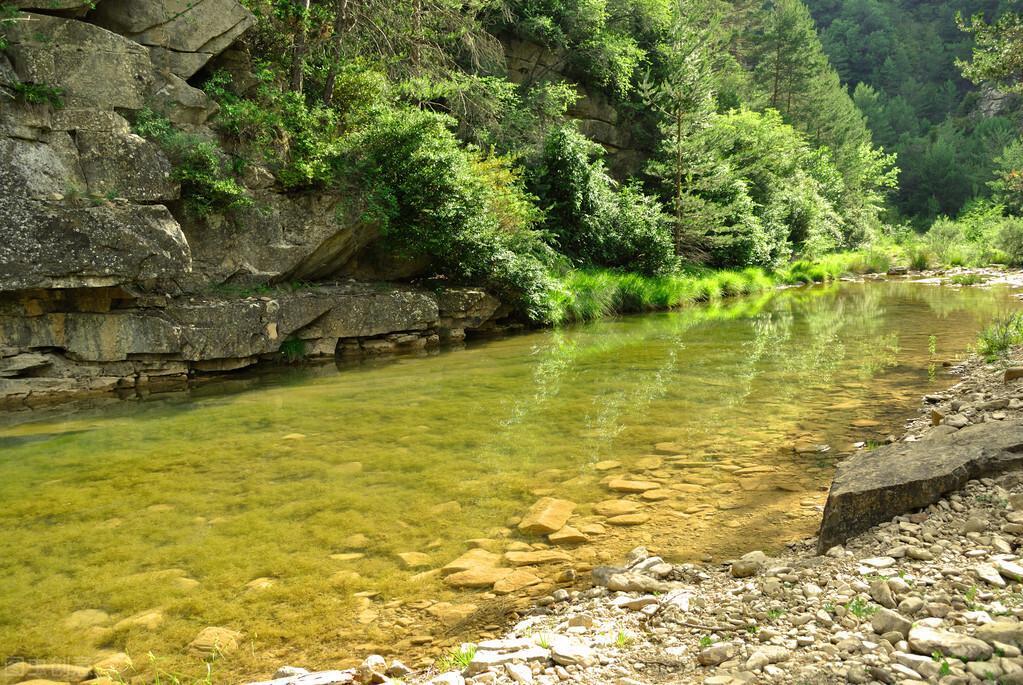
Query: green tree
x=684, y=101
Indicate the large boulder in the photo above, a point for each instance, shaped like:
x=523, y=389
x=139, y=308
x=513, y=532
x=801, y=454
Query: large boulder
x=876, y=485
x=125, y=165
x=185, y=34
x=94, y=67
x=39, y=170
x=65, y=246
x=305, y=237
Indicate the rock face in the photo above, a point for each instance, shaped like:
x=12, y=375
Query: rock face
x=109, y=340
x=46, y=246
x=915, y=474
x=598, y=119
x=94, y=67
x=107, y=281
x=182, y=34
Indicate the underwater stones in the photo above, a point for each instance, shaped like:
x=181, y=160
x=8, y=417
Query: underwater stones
x=451, y=614
x=567, y=536
x=414, y=559
x=347, y=556
x=479, y=577
x=473, y=559
x=147, y=620
x=607, y=465
x=649, y=463
x=616, y=507
x=628, y=485
x=214, y=641
x=345, y=577
x=86, y=618
x=113, y=665
x=547, y=515
x=537, y=557
x=518, y=579
x=262, y=583
x=61, y=673
x=658, y=495
x=669, y=448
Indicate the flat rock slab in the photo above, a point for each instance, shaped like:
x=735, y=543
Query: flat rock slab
x=875, y=486
x=548, y=515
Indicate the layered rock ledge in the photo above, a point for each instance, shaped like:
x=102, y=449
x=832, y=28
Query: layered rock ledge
x=72, y=343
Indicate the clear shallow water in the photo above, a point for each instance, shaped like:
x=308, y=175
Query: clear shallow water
x=161, y=515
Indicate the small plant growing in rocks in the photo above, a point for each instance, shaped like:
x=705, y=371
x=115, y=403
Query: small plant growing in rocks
x=860, y=608
x=458, y=659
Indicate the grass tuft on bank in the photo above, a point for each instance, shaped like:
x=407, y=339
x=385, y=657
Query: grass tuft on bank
x=1000, y=336
x=589, y=294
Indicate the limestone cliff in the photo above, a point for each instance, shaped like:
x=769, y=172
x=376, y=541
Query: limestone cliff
x=106, y=284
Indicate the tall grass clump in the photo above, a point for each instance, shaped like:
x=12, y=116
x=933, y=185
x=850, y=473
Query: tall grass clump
x=1000, y=336
x=585, y=295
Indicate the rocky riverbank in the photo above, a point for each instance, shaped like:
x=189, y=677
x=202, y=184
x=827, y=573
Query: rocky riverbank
x=932, y=595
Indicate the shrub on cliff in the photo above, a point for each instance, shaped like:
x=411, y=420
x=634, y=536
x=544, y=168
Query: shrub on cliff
x=208, y=185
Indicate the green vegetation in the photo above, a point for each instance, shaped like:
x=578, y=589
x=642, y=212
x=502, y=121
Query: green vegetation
x=754, y=158
x=861, y=608
x=206, y=174
x=39, y=94
x=1000, y=336
x=458, y=659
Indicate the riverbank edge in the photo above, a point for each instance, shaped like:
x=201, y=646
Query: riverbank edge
x=63, y=347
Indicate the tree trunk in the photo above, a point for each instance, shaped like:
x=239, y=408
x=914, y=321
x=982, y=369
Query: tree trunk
x=678, y=183
x=341, y=27
x=300, y=49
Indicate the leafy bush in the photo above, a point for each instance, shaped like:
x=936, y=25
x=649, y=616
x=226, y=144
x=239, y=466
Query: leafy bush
x=39, y=94
x=208, y=185
x=759, y=192
x=590, y=220
x=469, y=214
x=1000, y=336
x=297, y=141
x=1010, y=239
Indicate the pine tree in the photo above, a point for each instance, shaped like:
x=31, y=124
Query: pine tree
x=684, y=99
x=789, y=54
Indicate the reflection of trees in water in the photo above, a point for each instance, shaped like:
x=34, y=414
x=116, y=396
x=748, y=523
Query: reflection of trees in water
x=804, y=343
x=568, y=353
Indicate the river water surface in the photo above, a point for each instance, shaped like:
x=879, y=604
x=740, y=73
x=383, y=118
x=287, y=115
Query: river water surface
x=280, y=511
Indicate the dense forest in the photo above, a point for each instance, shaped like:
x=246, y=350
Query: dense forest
x=758, y=134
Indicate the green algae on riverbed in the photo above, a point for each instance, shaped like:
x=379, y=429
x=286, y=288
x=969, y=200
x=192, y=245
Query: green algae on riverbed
x=271, y=511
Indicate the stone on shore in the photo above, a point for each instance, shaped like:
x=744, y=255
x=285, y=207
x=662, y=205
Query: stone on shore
x=537, y=557
x=915, y=475
x=928, y=641
x=616, y=507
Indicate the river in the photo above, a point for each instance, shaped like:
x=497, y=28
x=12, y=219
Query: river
x=280, y=511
